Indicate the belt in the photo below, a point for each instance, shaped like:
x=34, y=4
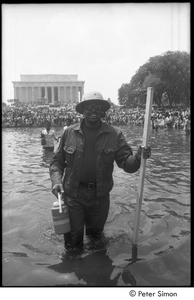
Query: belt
x=89, y=186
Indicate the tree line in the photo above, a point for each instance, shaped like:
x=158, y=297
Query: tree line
x=168, y=74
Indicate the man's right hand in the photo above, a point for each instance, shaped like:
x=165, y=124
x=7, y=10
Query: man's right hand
x=57, y=188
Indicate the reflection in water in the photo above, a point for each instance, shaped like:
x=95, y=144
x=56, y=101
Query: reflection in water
x=170, y=269
x=127, y=277
x=29, y=240
x=96, y=267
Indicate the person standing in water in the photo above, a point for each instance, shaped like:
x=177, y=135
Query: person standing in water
x=48, y=137
x=86, y=153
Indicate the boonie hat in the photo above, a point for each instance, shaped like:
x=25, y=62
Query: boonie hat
x=89, y=97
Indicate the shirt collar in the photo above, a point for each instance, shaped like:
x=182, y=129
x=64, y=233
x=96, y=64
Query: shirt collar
x=103, y=128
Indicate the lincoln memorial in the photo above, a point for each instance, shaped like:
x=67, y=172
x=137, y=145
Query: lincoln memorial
x=55, y=88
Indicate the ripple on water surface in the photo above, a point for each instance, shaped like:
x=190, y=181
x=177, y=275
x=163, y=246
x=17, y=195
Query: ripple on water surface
x=29, y=240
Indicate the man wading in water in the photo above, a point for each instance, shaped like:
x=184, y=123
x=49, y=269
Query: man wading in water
x=47, y=137
x=86, y=153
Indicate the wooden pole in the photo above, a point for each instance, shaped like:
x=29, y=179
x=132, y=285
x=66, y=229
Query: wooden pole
x=147, y=125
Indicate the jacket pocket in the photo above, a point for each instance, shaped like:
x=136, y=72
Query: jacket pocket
x=109, y=154
x=69, y=154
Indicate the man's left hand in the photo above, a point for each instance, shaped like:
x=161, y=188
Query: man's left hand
x=145, y=152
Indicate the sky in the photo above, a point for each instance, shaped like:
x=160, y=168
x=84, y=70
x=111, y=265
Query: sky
x=104, y=44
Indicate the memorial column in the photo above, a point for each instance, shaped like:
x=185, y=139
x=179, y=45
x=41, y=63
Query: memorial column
x=15, y=93
x=76, y=99
x=53, y=95
x=33, y=100
x=64, y=96
x=39, y=92
x=26, y=94
x=46, y=92
x=21, y=94
x=81, y=93
x=59, y=94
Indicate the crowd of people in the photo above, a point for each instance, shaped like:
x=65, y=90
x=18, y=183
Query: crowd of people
x=37, y=116
x=178, y=119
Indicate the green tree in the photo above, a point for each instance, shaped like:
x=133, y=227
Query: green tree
x=123, y=94
x=168, y=74
x=127, y=96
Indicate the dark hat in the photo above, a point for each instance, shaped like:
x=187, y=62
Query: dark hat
x=92, y=96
